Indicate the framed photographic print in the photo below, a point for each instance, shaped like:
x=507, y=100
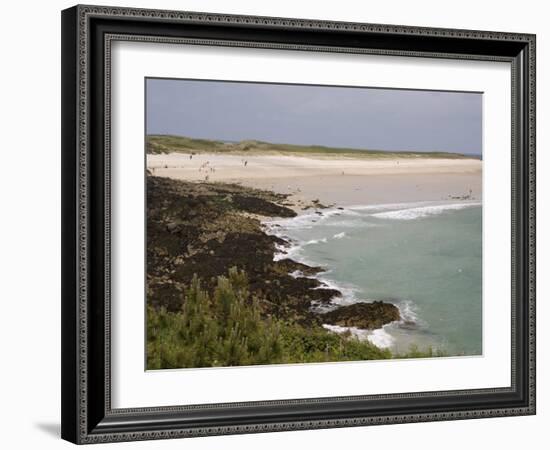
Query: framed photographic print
x=281, y=224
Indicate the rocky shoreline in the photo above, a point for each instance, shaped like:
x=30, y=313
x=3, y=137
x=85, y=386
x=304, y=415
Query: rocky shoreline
x=206, y=228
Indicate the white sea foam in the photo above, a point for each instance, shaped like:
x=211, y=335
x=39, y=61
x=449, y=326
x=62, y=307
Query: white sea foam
x=345, y=217
x=308, y=220
x=349, y=293
x=353, y=223
x=407, y=311
x=293, y=248
x=316, y=241
x=339, y=235
x=360, y=334
x=286, y=251
x=299, y=222
x=399, y=211
x=296, y=274
x=379, y=337
x=386, y=206
x=422, y=211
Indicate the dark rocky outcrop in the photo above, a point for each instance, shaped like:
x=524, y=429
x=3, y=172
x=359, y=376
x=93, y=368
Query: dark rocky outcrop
x=206, y=228
x=367, y=316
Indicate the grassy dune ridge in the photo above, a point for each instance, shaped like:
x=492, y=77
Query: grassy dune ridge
x=158, y=144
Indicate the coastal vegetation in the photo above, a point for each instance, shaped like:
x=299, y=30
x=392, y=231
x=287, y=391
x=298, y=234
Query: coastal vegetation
x=157, y=144
x=227, y=329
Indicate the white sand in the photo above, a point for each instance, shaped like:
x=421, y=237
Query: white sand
x=330, y=179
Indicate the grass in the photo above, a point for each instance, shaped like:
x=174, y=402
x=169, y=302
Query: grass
x=169, y=143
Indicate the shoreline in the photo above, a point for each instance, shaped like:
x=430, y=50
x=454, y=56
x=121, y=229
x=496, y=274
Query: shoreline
x=307, y=180
x=211, y=252
x=310, y=188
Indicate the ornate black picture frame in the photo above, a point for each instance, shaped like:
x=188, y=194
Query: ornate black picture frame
x=87, y=34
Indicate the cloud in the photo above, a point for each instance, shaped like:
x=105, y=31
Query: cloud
x=388, y=119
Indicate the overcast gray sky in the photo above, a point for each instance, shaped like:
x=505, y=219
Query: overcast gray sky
x=383, y=119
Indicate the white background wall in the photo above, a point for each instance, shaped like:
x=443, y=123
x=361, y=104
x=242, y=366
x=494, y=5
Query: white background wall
x=30, y=222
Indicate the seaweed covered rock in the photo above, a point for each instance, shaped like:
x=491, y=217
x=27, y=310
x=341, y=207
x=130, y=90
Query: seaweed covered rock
x=367, y=316
x=207, y=228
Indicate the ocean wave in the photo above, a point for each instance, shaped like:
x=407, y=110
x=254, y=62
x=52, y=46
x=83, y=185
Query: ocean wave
x=422, y=211
x=379, y=337
x=299, y=222
x=315, y=241
x=410, y=319
x=357, y=216
x=286, y=251
x=360, y=334
x=407, y=311
x=339, y=235
x=309, y=220
x=386, y=206
x=293, y=249
x=349, y=292
x=351, y=223
x=398, y=211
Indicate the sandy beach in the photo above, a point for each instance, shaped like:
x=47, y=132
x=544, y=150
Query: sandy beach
x=331, y=180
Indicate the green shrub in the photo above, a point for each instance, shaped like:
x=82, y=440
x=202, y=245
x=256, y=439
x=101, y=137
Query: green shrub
x=227, y=329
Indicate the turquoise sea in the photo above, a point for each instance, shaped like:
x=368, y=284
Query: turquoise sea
x=424, y=257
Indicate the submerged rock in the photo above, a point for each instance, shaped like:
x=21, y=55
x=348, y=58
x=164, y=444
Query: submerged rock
x=367, y=316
